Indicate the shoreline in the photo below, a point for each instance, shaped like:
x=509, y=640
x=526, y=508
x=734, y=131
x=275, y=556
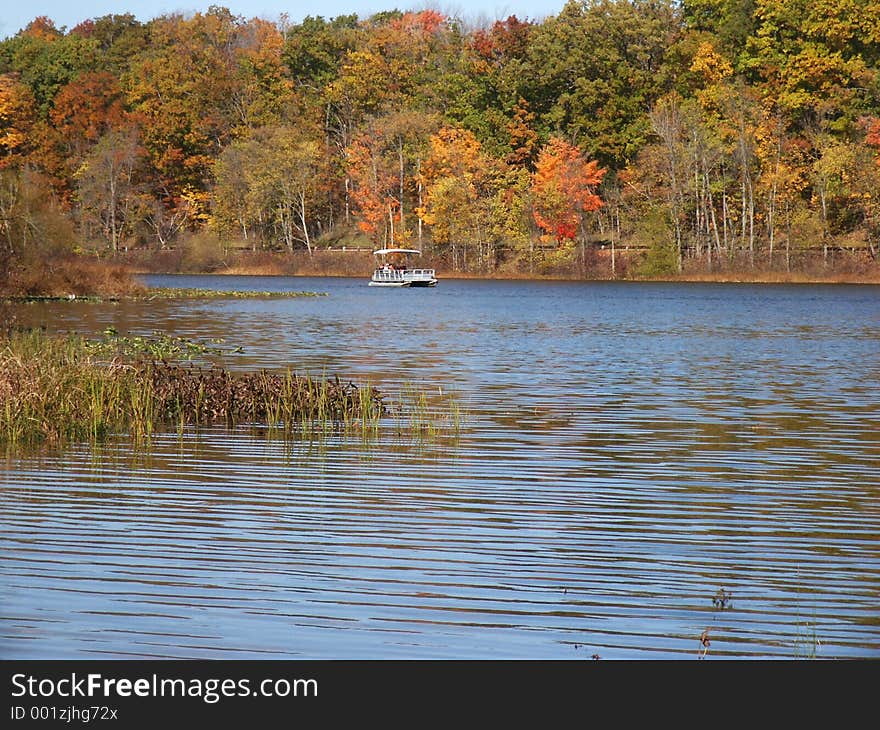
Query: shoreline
x=357, y=263
x=871, y=278
x=96, y=279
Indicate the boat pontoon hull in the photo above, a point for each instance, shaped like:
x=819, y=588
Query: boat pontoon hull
x=397, y=284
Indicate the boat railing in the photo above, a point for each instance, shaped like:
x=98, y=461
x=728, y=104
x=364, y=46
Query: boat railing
x=387, y=275
x=403, y=274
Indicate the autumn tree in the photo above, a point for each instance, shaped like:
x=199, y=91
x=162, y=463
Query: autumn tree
x=232, y=216
x=523, y=137
x=487, y=98
x=564, y=189
x=46, y=60
x=509, y=215
x=108, y=186
x=375, y=189
x=457, y=177
x=596, y=93
x=82, y=113
x=33, y=230
x=119, y=40
x=182, y=88
x=261, y=90
x=16, y=120
x=267, y=186
x=315, y=49
x=733, y=131
x=287, y=183
x=864, y=178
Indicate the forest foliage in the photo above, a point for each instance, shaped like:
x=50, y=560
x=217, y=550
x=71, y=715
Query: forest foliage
x=718, y=131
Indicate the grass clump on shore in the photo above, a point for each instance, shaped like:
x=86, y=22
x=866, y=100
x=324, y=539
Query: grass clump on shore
x=55, y=390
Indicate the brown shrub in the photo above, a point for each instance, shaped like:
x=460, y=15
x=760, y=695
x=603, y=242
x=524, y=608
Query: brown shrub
x=70, y=275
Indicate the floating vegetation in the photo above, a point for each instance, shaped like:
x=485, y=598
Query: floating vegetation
x=191, y=293
x=806, y=643
x=159, y=346
x=170, y=293
x=54, y=390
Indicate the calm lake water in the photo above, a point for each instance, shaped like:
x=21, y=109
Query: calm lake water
x=628, y=451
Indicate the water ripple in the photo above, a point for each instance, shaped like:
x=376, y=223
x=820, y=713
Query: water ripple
x=629, y=451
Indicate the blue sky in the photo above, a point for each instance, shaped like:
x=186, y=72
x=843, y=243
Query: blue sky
x=18, y=13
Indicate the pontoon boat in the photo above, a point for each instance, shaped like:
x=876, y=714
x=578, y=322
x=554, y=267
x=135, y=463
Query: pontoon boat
x=394, y=270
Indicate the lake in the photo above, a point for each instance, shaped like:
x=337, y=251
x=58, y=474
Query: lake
x=638, y=464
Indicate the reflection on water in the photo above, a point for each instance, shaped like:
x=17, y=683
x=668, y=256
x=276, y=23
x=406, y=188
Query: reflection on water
x=631, y=449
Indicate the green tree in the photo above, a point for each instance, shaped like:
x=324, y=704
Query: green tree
x=596, y=93
x=47, y=60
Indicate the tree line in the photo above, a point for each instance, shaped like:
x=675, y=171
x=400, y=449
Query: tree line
x=709, y=132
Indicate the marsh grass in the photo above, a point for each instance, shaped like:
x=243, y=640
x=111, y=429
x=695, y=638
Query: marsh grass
x=54, y=390
x=422, y=415
x=806, y=640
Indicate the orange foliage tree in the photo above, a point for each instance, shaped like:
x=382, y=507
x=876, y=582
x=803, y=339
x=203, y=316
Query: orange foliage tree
x=459, y=181
x=453, y=177
x=16, y=119
x=183, y=91
x=873, y=136
x=84, y=111
x=563, y=189
x=374, y=186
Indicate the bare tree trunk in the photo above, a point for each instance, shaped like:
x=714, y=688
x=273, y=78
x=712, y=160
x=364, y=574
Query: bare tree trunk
x=748, y=192
x=771, y=208
x=419, y=177
x=724, y=214
x=400, y=155
x=667, y=125
x=822, y=199
x=771, y=227
x=787, y=237
x=751, y=222
x=302, y=217
x=613, y=262
x=712, y=218
x=112, y=212
x=699, y=209
x=391, y=221
x=9, y=196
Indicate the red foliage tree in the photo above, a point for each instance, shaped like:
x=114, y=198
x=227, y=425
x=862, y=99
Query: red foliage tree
x=563, y=188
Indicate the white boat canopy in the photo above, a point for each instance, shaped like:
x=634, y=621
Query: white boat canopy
x=383, y=251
